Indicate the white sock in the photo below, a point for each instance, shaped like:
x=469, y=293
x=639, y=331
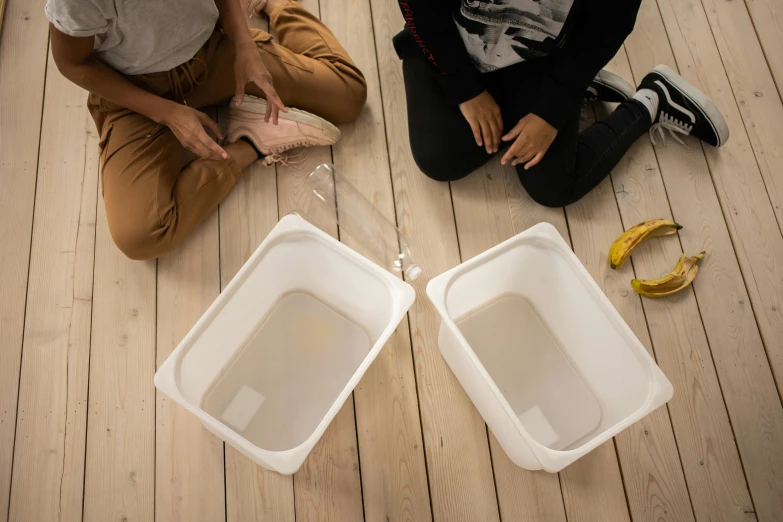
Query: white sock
x=650, y=100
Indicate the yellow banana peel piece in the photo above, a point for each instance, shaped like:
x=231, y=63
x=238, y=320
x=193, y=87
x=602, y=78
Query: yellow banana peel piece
x=680, y=277
x=622, y=247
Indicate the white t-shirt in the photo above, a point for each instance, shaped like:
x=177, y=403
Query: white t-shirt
x=138, y=36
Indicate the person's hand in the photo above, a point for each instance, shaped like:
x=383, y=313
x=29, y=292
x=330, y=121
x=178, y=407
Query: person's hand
x=483, y=115
x=249, y=67
x=188, y=125
x=533, y=138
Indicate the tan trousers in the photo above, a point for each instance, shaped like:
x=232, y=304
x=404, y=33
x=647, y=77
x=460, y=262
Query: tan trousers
x=152, y=203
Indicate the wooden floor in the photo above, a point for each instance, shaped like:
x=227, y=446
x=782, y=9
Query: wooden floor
x=84, y=435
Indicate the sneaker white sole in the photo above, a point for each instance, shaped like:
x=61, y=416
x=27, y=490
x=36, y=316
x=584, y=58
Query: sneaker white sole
x=615, y=82
x=258, y=105
x=714, y=117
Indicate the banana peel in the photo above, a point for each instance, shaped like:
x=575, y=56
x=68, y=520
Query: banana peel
x=679, y=278
x=621, y=249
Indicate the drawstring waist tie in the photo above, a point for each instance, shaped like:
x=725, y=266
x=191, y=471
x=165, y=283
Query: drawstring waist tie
x=184, y=73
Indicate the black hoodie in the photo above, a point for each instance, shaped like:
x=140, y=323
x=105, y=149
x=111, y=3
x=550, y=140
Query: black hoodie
x=572, y=40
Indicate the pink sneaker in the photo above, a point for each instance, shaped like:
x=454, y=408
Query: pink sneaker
x=294, y=129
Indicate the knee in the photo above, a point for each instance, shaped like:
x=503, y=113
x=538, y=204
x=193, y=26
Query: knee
x=545, y=193
x=550, y=200
x=353, y=103
x=438, y=165
x=137, y=241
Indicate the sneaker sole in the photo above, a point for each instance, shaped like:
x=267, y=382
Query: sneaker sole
x=258, y=105
x=616, y=83
x=711, y=112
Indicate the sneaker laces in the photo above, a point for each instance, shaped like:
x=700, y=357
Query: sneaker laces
x=671, y=124
x=285, y=158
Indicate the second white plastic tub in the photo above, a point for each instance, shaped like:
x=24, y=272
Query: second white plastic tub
x=547, y=360
x=274, y=358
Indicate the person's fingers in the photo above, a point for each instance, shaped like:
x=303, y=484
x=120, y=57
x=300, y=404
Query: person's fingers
x=523, y=157
x=514, y=150
x=499, y=121
x=268, y=113
x=486, y=134
x=495, y=131
x=536, y=159
x=272, y=94
x=474, y=126
x=213, y=150
x=514, y=132
x=198, y=148
x=211, y=124
x=239, y=92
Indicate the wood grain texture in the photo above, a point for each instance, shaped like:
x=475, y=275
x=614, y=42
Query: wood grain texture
x=754, y=90
x=698, y=193
x=455, y=437
x=740, y=185
x=23, y=47
x=120, y=461
x=391, y=450
x=701, y=425
x=767, y=18
x=327, y=486
x=653, y=477
x=51, y=424
x=247, y=216
x=189, y=480
x=762, y=113
x=483, y=217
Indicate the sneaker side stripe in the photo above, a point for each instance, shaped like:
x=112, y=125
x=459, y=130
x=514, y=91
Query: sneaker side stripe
x=677, y=106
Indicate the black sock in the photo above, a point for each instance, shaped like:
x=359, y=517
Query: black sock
x=258, y=152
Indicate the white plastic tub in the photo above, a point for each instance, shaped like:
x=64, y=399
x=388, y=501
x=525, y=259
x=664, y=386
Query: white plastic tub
x=541, y=352
x=271, y=362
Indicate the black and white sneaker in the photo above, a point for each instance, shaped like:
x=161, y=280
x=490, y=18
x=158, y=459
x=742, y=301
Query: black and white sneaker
x=608, y=87
x=683, y=109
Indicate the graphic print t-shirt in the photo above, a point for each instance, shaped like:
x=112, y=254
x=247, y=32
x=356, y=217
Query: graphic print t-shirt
x=498, y=33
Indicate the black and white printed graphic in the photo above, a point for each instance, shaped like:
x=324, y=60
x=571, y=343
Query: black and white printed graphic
x=498, y=33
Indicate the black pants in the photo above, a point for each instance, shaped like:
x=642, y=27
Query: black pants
x=443, y=146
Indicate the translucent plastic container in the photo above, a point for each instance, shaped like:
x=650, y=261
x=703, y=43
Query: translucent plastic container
x=547, y=360
x=358, y=218
x=272, y=361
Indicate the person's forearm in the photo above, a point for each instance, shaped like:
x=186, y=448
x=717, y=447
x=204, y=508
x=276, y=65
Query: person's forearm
x=233, y=21
x=99, y=79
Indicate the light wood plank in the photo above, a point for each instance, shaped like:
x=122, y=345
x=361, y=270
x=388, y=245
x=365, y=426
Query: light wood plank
x=745, y=199
x=483, y=218
x=120, y=459
x=704, y=435
x=328, y=485
x=455, y=437
x=394, y=478
x=189, y=464
x=247, y=215
x=51, y=426
x=767, y=18
x=23, y=46
x=758, y=101
x=653, y=478
x=762, y=113
x=697, y=201
x=2, y=13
